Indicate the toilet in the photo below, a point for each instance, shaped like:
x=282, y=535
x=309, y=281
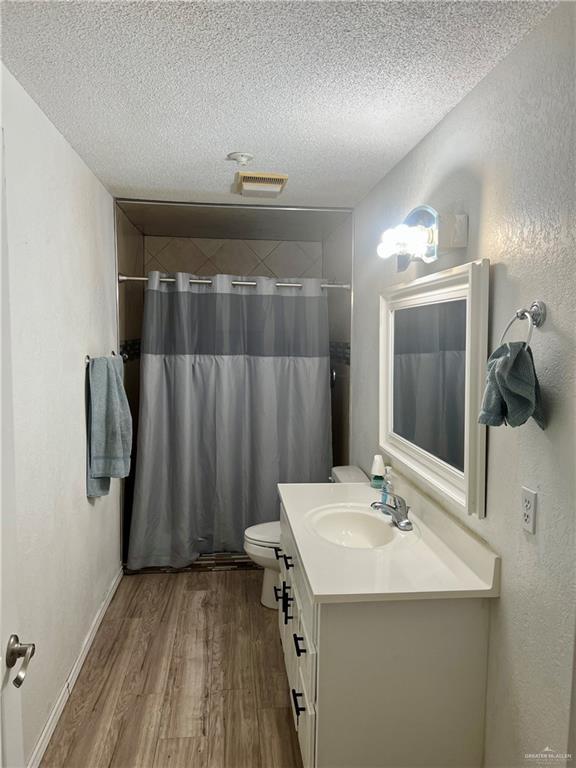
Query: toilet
x=261, y=540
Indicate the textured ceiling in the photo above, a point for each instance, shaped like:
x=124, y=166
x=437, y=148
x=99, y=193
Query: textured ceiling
x=153, y=95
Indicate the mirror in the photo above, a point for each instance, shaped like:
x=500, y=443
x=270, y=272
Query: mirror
x=429, y=378
x=433, y=336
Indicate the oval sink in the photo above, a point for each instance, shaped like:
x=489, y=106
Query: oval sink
x=353, y=526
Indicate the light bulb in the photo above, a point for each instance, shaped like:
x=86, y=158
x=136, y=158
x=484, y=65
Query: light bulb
x=405, y=241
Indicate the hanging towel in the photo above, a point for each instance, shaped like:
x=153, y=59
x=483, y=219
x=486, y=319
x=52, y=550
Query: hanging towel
x=512, y=393
x=109, y=425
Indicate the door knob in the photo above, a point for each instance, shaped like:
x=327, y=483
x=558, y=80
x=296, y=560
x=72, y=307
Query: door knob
x=17, y=650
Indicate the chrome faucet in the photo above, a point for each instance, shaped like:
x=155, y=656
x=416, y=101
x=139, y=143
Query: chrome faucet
x=395, y=506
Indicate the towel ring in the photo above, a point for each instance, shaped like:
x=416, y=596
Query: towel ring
x=536, y=316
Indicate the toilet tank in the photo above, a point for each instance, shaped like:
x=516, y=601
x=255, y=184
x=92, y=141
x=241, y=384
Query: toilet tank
x=348, y=474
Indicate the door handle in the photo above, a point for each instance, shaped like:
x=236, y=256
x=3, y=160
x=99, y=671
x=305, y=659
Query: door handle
x=17, y=650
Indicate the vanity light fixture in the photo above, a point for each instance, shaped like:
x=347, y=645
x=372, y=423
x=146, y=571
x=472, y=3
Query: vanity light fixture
x=423, y=236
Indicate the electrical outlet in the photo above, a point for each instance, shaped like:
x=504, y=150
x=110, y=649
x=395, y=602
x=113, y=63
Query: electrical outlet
x=529, y=499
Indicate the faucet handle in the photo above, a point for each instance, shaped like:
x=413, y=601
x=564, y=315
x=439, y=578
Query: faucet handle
x=400, y=504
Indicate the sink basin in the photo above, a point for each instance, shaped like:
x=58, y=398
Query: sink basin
x=354, y=526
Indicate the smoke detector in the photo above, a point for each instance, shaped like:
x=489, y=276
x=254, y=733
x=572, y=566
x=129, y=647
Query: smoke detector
x=260, y=184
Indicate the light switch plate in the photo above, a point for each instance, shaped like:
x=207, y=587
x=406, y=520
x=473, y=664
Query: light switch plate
x=529, y=502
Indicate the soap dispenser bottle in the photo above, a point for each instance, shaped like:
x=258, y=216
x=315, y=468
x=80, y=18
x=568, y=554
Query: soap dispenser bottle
x=377, y=472
x=387, y=487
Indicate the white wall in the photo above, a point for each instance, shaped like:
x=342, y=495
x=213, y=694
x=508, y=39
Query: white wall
x=62, y=306
x=505, y=156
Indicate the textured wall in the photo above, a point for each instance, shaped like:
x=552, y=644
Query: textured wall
x=505, y=156
x=62, y=293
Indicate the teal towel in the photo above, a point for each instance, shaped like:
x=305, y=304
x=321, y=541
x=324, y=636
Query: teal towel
x=109, y=425
x=512, y=393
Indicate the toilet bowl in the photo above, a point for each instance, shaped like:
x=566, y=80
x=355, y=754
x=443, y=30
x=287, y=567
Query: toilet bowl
x=259, y=543
x=261, y=540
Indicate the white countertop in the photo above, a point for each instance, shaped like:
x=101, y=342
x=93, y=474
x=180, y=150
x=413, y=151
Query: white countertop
x=439, y=559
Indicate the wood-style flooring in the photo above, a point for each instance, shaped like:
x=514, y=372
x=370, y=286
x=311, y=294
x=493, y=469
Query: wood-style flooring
x=186, y=670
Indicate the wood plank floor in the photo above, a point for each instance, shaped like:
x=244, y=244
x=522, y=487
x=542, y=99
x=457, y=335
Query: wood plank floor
x=186, y=671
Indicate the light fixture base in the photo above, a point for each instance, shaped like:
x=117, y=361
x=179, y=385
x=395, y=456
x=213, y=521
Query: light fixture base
x=423, y=236
x=242, y=158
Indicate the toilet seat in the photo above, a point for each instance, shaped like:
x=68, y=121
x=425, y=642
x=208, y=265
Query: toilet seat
x=264, y=534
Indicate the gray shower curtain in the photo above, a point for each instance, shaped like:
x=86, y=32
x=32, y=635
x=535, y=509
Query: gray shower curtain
x=234, y=398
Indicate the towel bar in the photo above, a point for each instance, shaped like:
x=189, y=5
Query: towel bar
x=123, y=355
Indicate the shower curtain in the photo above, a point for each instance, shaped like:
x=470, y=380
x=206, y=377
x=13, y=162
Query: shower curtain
x=234, y=398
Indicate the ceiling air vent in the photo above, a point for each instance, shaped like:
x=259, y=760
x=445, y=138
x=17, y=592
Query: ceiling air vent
x=260, y=184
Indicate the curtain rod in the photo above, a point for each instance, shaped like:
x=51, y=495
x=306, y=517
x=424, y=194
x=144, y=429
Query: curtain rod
x=207, y=281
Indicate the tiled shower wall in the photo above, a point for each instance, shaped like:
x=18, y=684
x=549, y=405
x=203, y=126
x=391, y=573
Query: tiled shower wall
x=207, y=257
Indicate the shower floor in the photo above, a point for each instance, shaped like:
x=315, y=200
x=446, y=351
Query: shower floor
x=186, y=670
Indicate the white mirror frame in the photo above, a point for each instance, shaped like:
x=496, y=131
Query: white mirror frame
x=460, y=491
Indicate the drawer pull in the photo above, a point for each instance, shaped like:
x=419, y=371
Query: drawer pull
x=288, y=562
x=298, y=708
x=297, y=641
x=286, y=608
x=278, y=552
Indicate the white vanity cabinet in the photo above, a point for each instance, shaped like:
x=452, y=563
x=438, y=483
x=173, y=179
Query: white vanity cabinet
x=381, y=683
x=296, y=618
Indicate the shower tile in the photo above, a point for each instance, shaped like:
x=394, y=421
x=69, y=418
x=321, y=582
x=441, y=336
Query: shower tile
x=181, y=255
x=312, y=248
x=234, y=257
x=208, y=246
x=315, y=270
x=261, y=270
x=262, y=248
x=289, y=260
x=153, y=266
x=208, y=269
x=153, y=245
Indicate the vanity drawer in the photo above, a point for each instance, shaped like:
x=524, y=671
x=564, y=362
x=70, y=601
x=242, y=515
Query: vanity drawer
x=305, y=652
x=305, y=718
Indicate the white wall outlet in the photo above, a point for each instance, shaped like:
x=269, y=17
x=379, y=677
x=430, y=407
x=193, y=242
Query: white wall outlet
x=529, y=500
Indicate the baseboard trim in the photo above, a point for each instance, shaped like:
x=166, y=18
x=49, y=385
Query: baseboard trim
x=64, y=694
